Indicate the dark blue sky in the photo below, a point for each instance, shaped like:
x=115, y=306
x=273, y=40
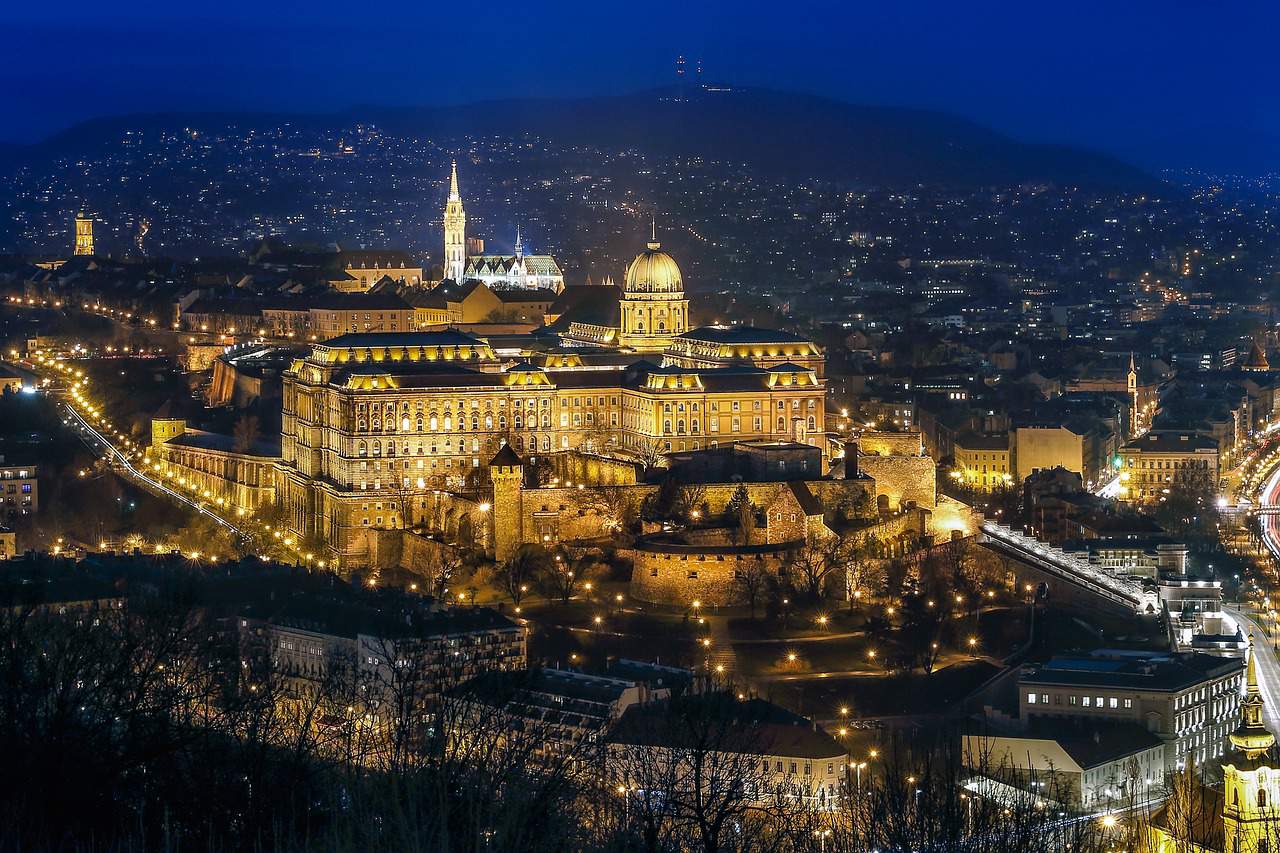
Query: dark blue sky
x=1159, y=83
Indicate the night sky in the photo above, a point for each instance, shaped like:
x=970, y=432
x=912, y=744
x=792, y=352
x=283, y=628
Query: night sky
x=1161, y=84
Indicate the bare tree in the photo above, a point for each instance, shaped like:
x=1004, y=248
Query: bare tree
x=566, y=571
x=815, y=562
x=751, y=581
x=246, y=432
x=650, y=452
x=518, y=573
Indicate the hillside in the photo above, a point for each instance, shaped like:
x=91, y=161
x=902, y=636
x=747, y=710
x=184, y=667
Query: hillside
x=771, y=132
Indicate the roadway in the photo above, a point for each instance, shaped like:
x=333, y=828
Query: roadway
x=121, y=462
x=1268, y=665
x=1268, y=662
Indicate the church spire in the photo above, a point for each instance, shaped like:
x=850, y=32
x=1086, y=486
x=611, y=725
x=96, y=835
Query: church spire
x=1252, y=737
x=654, y=245
x=455, y=230
x=519, y=243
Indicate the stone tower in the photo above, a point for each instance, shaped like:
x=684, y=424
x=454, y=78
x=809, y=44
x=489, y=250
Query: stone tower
x=84, y=234
x=164, y=429
x=455, y=230
x=506, y=469
x=1250, y=774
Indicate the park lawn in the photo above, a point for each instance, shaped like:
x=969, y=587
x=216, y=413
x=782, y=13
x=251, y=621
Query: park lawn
x=644, y=623
x=798, y=624
x=556, y=646
x=881, y=696
x=845, y=653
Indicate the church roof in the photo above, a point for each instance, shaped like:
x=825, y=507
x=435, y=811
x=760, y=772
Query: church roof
x=1257, y=359
x=539, y=265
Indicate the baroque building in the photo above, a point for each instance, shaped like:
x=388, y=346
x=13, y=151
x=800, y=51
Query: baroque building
x=385, y=430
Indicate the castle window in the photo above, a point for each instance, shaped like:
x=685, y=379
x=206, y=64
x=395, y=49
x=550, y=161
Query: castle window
x=1262, y=803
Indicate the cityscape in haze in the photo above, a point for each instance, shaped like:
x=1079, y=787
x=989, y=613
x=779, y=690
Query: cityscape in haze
x=682, y=430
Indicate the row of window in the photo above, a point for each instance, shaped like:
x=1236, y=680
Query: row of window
x=1081, y=701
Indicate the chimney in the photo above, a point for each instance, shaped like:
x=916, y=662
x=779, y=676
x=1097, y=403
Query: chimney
x=851, y=460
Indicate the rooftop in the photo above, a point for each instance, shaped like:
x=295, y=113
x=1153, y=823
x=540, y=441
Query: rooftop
x=1167, y=673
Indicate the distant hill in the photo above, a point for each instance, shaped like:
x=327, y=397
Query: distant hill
x=773, y=132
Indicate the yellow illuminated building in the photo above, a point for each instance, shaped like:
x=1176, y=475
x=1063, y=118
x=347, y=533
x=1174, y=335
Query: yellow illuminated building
x=654, y=310
x=383, y=430
x=984, y=462
x=84, y=234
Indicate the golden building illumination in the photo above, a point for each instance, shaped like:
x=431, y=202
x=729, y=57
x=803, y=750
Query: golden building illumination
x=84, y=234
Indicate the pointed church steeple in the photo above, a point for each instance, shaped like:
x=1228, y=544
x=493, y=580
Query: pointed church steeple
x=519, y=243
x=455, y=230
x=1252, y=737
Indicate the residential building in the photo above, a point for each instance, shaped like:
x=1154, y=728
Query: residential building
x=749, y=745
x=1082, y=766
x=1153, y=466
x=19, y=489
x=1189, y=700
x=984, y=462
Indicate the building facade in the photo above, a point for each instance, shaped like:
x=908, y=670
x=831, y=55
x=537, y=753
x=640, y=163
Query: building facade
x=1153, y=466
x=19, y=489
x=1189, y=700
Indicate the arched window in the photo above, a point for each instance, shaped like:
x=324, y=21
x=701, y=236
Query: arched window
x=418, y=423
x=448, y=422
x=433, y=423
x=1262, y=798
x=502, y=421
x=363, y=449
x=518, y=422
x=782, y=424
x=666, y=427
x=488, y=421
x=475, y=422
x=813, y=424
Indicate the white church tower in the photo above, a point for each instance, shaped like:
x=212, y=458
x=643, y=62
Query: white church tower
x=455, y=231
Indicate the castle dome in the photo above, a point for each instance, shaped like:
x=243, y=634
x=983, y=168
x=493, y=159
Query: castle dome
x=653, y=271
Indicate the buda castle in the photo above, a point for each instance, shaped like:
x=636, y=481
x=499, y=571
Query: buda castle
x=376, y=426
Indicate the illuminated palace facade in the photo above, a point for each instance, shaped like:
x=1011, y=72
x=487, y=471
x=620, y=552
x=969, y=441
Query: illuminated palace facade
x=373, y=420
x=377, y=423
